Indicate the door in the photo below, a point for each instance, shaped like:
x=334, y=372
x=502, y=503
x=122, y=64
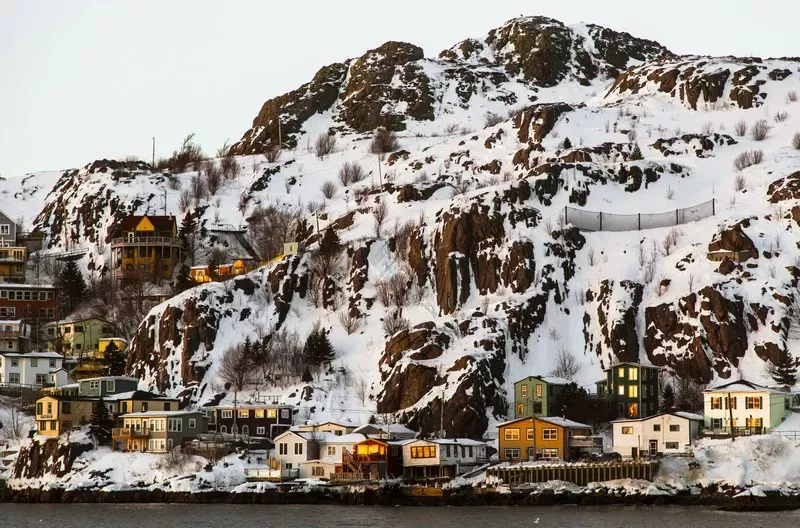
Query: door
x=635, y=452
x=653, y=448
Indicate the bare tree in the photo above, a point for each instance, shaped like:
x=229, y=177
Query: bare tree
x=270, y=227
x=380, y=212
x=13, y=424
x=349, y=322
x=383, y=141
x=351, y=172
x=324, y=145
x=328, y=189
x=197, y=188
x=213, y=177
x=394, y=321
x=234, y=371
x=567, y=365
x=273, y=153
x=491, y=119
x=362, y=390
x=689, y=394
x=184, y=201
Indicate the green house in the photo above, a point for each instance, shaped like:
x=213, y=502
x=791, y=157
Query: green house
x=537, y=396
x=634, y=387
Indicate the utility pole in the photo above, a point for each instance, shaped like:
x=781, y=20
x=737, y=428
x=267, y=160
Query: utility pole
x=730, y=414
x=280, y=139
x=380, y=176
x=165, y=201
x=154, y=152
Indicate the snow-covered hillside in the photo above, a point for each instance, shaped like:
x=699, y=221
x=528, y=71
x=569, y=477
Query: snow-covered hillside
x=499, y=283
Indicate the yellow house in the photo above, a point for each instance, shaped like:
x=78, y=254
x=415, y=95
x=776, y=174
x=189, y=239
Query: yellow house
x=13, y=262
x=532, y=438
x=55, y=414
x=103, y=342
x=145, y=249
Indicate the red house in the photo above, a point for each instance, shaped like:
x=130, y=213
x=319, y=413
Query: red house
x=371, y=460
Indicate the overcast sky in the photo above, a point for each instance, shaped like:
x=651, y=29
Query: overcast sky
x=82, y=79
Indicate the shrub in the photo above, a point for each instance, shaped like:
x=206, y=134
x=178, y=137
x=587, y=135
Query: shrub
x=394, y=322
x=229, y=166
x=707, y=128
x=273, y=153
x=328, y=189
x=796, y=141
x=739, y=183
x=383, y=141
x=213, y=176
x=782, y=116
x=740, y=128
x=566, y=144
x=351, y=172
x=189, y=154
x=492, y=119
x=380, y=213
x=760, y=130
x=748, y=158
x=791, y=97
x=451, y=129
x=636, y=155
x=349, y=322
x=324, y=145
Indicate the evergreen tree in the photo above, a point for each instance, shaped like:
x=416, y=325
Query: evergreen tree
x=184, y=280
x=567, y=144
x=113, y=360
x=71, y=285
x=101, y=423
x=573, y=402
x=372, y=419
x=667, y=398
x=188, y=236
x=307, y=378
x=785, y=370
x=636, y=155
x=325, y=352
x=318, y=348
x=330, y=245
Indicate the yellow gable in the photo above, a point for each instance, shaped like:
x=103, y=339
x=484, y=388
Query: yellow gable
x=145, y=225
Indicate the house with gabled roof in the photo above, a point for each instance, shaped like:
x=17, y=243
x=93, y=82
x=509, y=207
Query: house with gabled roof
x=550, y=437
x=537, y=395
x=145, y=248
x=743, y=407
x=662, y=433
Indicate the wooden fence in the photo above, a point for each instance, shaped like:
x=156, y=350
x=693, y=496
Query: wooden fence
x=580, y=474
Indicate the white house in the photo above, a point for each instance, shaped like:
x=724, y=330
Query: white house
x=754, y=408
x=441, y=457
x=667, y=432
x=386, y=431
x=313, y=454
x=33, y=369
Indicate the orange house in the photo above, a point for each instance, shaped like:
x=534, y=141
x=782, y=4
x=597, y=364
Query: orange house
x=373, y=459
x=532, y=438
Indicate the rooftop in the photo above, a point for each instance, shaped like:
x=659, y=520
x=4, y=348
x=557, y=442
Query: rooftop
x=114, y=378
x=631, y=363
x=740, y=386
x=681, y=414
x=137, y=395
x=48, y=355
x=160, y=223
x=386, y=428
x=160, y=413
x=552, y=380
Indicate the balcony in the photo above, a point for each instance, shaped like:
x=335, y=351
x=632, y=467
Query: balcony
x=586, y=441
x=44, y=416
x=127, y=432
x=145, y=241
x=269, y=474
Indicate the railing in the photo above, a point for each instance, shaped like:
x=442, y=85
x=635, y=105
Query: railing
x=271, y=474
x=127, y=432
x=10, y=335
x=787, y=434
x=44, y=416
x=349, y=477
x=737, y=431
x=146, y=241
x=577, y=473
x=599, y=221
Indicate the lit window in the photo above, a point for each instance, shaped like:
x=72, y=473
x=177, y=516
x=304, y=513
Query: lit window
x=244, y=413
x=621, y=372
x=520, y=409
x=512, y=434
x=633, y=374
x=538, y=390
x=529, y=434
x=259, y=413
x=550, y=453
x=633, y=391
x=716, y=403
x=523, y=390
x=627, y=430
x=753, y=402
x=633, y=410
x=621, y=390
x=272, y=413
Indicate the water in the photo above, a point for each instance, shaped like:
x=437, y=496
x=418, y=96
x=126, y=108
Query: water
x=246, y=516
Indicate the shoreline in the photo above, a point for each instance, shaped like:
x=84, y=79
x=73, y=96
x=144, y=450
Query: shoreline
x=465, y=497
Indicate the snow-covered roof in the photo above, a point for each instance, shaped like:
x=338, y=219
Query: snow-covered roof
x=136, y=395
x=111, y=378
x=631, y=363
x=159, y=413
x=16, y=286
x=740, y=386
x=114, y=339
x=386, y=428
x=552, y=380
x=457, y=441
x=791, y=423
x=244, y=406
x=680, y=414
x=50, y=355
x=564, y=422
x=403, y=442
x=690, y=416
x=352, y=438
x=329, y=422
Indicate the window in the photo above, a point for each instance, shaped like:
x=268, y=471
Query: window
x=633, y=373
x=110, y=385
x=732, y=402
x=67, y=330
x=175, y=425
x=192, y=423
x=14, y=362
x=272, y=413
x=261, y=430
x=656, y=427
x=284, y=413
x=423, y=452
x=246, y=430
x=244, y=413
x=550, y=453
x=41, y=379
x=752, y=402
x=227, y=413
x=331, y=450
x=529, y=434
x=754, y=422
x=520, y=409
x=317, y=471
x=78, y=329
x=716, y=402
x=523, y=391
x=672, y=445
x=224, y=429
x=512, y=454
x=66, y=407
x=298, y=448
x=167, y=406
x=259, y=413
x=13, y=377
x=5, y=229
x=537, y=407
x=621, y=390
x=94, y=385
x=633, y=391
x=337, y=433
x=538, y=390
x=621, y=372
x=674, y=428
x=512, y=434
x=716, y=423
x=627, y=430
x=52, y=363
x=283, y=448
x=145, y=406
x=39, y=408
x=633, y=410
x=549, y=434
